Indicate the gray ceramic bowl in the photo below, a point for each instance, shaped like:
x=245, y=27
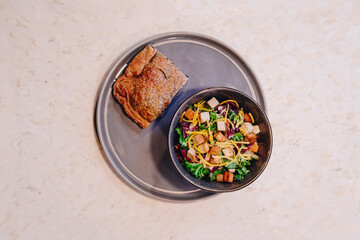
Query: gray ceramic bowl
x=264, y=138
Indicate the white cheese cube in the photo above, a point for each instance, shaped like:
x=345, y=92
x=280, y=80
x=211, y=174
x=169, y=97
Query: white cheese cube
x=232, y=170
x=221, y=126
x=204, y=117
x=213, y=102
x=256, y=129
x=191, y=154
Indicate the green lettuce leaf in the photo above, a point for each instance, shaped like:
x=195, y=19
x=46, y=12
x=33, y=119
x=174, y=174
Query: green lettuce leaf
x=196, y=169
x=212, y=175
x=237, y=137
x=233, y=116
x=213, y=116
x=183, y=141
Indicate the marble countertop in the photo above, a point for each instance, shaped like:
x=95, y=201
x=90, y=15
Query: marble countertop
x=54, y=181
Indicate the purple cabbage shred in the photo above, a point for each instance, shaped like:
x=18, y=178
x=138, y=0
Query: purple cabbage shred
x=234, y=107
x=230, y=132
x=221, y=109
x=185, y=127
x=183, y=153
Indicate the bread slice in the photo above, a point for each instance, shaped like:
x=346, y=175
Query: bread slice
x=148, y=86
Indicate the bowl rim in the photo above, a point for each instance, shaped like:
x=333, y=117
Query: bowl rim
x=171, y=128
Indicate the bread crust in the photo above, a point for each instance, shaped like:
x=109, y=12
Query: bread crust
x=150, y=82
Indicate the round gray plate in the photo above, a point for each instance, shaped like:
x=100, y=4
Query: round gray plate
x=140, y=156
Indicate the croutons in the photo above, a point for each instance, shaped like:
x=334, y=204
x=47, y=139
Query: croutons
x=228, y=177
x=220, y=125
x=219, y=177
x=204, y=148
x=191, y=154
x=251, y=138
x=246, y=128
x=198, y=139
x=256, y=129
x=227, y=126
x=219, y=137
x=228, y=152
x=215, y=160
x=225, y=177
x=215, y=150
x=204, y=117
x=254, y=147
x=189, y=114
x=253, y=155
x=213, y=102
x=247, y=118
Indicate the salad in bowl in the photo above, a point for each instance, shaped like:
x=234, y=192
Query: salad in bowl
x=217, y=140
x=220, y=139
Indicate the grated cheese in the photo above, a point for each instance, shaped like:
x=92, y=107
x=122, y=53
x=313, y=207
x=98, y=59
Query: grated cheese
x=220, y=119
x=232, y=124
x=197, y=149
x=230, y=101
x=182, y=117
x=211, y=139
x=210, y=164
x=252, y=118
x=197, y=132
x=205, y=109
x=195, y=120
x=226, y=113
x=242, y=142
x=189, y=141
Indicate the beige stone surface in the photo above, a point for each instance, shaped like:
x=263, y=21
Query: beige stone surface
x=54, y=182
